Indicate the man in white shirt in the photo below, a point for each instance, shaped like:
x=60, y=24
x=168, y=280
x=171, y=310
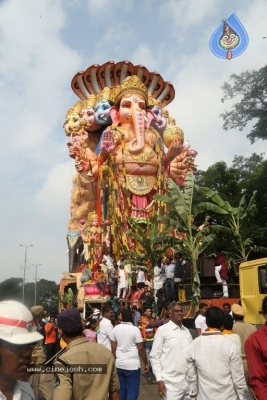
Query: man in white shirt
x=159, y=277
x=105, y=334
x=107, y=259
x=168, y=356
x=200, y=321
x=169, y=282
x=215, y=369
x=122, y=281
x=140, y=278
x=127, y=345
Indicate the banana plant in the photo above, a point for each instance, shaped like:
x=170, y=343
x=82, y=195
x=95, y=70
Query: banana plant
x=238, y=220
x=151, y=242
x=190, y=239
x=68, y=298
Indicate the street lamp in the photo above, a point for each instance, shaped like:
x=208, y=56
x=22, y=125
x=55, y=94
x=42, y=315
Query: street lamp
x=35, y=291
x=24, y=270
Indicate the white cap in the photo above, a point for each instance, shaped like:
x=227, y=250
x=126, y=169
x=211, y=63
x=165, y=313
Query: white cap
x=16, y=323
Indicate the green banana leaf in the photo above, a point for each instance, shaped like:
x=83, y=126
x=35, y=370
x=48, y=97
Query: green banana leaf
x=206, y=206
x=217, y=199
x=216, y=229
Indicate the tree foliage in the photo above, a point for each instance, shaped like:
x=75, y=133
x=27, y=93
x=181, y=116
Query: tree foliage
x=243, y=177
x=220, y=178
x=230, y=207
x=11, y=289
x=251, y=86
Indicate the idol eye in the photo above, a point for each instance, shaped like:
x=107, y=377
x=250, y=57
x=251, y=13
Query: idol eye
x=225, y=37
x=232, y=36
x=156, y=112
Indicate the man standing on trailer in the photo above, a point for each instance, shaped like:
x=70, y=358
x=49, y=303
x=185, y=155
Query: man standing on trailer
x=221, y=271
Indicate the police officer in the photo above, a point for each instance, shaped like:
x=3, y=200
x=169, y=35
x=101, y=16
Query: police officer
x=79, y=354
x=16, y=338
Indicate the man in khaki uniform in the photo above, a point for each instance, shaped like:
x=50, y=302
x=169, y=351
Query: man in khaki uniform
x=244, y=330
x=80, y=354
x=41, y=384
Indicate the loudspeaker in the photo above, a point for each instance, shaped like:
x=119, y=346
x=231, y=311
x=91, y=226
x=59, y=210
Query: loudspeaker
x=207, y=267
x=206, y=292
x=188, y=292
x=234, y=291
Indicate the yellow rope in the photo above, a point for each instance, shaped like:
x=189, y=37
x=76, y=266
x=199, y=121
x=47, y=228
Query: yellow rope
x=189, y=312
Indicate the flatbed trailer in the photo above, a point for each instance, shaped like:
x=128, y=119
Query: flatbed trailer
x=248, y=284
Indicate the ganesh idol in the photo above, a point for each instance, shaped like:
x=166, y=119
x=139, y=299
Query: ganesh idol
x=136, y=148
x=133, y=150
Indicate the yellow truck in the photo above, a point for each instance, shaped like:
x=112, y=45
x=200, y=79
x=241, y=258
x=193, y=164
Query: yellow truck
x=253, y=289
x=248, y=285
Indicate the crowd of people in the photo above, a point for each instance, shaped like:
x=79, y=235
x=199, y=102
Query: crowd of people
x=135, y=283
x=99, y=356
x=169, y=274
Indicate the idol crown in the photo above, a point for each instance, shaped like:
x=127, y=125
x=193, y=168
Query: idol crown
x=131, y=84
x=106, y=93
x=92, y=216
x=89, y=102
x=75, y=109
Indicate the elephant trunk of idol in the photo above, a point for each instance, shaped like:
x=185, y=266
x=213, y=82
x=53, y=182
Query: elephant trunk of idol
x=137, y=145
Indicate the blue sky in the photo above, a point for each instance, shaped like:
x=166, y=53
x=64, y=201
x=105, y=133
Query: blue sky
x=44, y=43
